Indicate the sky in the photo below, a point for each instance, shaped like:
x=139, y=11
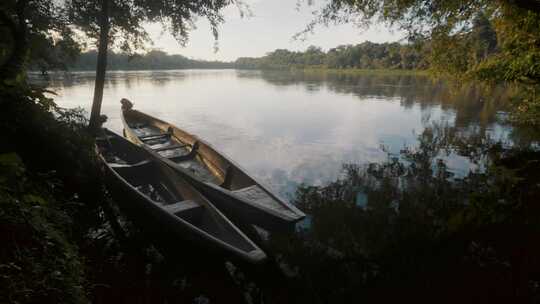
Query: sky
x=271, y=26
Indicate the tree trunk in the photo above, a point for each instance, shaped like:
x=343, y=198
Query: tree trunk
x=101, y=67
x=13, y=66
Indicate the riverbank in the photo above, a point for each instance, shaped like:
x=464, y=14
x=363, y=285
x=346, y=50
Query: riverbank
x=57, y=220
x=345, y=71
x=439, y=226
x=355, y=71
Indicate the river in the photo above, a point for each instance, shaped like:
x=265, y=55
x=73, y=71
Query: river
x=288, y=128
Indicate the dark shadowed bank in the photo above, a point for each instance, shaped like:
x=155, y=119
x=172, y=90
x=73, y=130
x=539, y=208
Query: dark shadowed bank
x=403, y=229
x=408, y=229
x=49, y=192
x=63, y=240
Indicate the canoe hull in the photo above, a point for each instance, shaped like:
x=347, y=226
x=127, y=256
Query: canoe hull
x=164, y=228
x=240, y=210
x=234, y=206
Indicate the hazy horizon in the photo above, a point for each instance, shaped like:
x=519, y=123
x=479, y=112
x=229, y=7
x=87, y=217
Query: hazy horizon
x=272, y=26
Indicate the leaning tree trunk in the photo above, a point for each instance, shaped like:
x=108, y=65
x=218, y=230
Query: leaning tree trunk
x=101, y=68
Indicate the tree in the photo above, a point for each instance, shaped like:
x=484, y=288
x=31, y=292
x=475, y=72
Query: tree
x=120, y=23
x=313, y=56
x=34, y=32
x=366, y=55
x=445, y=22
x=493, y=40
x=484, y=37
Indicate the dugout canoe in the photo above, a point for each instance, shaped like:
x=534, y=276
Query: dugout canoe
x=166, y=202
x=225, y=183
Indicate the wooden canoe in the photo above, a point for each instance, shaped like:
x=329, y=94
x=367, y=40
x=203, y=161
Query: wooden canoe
x=228, y=186
x=165, y=201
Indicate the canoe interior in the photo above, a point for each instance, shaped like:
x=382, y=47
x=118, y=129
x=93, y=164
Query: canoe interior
x=164, y=188
x=174, y=150
x=205, y=163
x=173, y=143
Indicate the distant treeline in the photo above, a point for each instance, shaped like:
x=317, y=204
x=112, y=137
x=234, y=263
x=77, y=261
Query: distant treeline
x=469, y=50
x=153, y=60
x=367, y=55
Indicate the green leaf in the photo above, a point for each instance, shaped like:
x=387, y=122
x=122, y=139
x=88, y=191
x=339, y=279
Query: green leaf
x=11, y=165
x=32, y=199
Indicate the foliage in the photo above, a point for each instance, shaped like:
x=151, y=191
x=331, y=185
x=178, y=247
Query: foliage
x=57, y=199
x=38, y=262
x=366, y=55
x=37, y=33
x=48, y=204
x=52, y=139
x=126, y=19
x=56, y=245
x=409, y=229
x=44, y=33
x=113, y=22
x=496, y=41
x=152, y=60
x=519, y=51
x=518, y=60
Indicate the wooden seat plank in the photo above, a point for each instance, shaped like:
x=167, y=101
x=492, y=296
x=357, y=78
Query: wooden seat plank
x=154, y=136
x=170, y=147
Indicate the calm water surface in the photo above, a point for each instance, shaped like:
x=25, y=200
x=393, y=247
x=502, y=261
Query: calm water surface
x=289, y=128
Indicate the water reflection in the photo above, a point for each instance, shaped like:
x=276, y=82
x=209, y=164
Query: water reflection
x=404, y=225
x=472, y=103
x=292, y=128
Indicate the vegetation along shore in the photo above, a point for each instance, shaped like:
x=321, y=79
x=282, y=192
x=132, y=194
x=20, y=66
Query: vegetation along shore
x=404, y=228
